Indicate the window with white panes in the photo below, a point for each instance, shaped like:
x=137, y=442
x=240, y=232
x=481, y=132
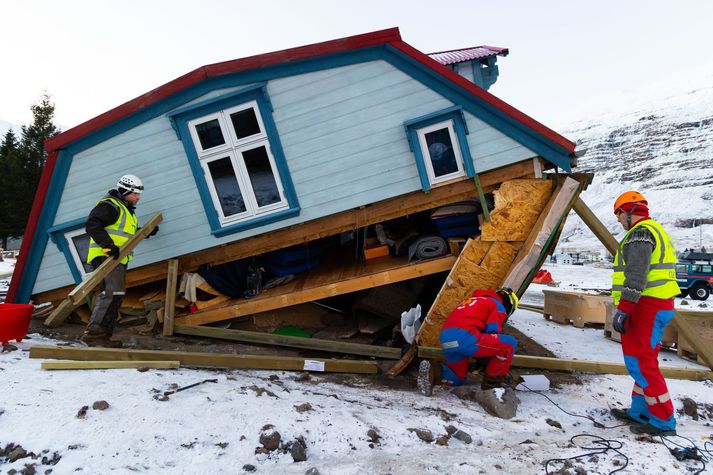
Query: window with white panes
x=78, y=243
x=234, y=152
x=441, y=152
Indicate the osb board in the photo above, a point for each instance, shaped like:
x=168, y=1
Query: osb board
x=464, y=278
x=499, y=257
x=475, y=250
x=518, y=204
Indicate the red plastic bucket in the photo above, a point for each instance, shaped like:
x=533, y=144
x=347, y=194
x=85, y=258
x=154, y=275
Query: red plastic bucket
x=14, y=321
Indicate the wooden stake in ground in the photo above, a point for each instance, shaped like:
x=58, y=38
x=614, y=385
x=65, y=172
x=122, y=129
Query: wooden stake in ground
x=170, y=307
x=76, y=297
x=219, y=360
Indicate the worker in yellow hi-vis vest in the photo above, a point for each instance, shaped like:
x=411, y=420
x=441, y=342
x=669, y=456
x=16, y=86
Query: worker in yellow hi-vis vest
x=110, y=224
x=643, y=287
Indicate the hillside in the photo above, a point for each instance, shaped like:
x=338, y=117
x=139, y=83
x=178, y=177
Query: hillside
x=662, y=147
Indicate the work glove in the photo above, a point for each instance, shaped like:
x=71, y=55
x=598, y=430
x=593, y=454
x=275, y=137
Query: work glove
x=112, y=251
x=619, y=322
x=623, y=315
x=153, y=233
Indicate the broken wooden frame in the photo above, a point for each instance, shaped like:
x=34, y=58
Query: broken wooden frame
x=322, y=227
x=681, y=325
x=77, y=296
x=170, y=307
x=219, y=360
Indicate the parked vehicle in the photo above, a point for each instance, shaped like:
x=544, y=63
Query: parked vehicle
x=694, y=272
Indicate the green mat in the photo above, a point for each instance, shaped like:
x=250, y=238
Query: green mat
x=291, y=330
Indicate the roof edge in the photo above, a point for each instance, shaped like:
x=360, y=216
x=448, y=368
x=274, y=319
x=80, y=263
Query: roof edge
x=216, y=69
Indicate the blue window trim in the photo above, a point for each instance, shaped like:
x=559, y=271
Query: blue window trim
x=455, y=114
x=57, y=235
x=258, y=93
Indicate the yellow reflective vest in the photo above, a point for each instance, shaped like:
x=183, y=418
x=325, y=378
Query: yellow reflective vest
x=120, y=231
x=661, y=279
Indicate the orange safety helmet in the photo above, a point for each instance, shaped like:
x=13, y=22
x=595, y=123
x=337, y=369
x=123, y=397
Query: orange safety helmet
x=630, y=196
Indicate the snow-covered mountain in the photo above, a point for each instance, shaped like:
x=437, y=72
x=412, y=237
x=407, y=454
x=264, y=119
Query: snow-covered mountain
x=661, y=144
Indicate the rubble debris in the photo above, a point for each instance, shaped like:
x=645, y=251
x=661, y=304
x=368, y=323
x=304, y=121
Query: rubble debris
x=462, y=436
x=82, y=413
x=100, y=405
x=249, y=468
x=554, y=423
x=312, y=471
x=270, y=439
x=690, y=408
x=298, y=449
x=303, y=407
x=442, y=440
x=423, y=434
x=504, y=407
x=260, y=391
x=373, y=435
x=17, y=454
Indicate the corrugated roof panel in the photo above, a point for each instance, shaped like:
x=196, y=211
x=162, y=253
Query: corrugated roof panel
x=467, y=54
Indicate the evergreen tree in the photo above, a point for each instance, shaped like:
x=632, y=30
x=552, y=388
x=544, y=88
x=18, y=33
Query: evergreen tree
x=10, y=177
x=31, y=157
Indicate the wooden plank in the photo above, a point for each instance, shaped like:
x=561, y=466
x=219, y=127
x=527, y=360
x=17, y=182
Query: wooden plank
x=218, y=360
x=170, y=307
x=109, y=364
x=318, y=228
x=276, y=298
x=404, y=362
x=560, y=364
x=593, y=223
x=290, y=341
x=76, y=297
x=95, y=278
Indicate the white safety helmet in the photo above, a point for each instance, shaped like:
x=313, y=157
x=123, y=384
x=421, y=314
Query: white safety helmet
x=130, y=183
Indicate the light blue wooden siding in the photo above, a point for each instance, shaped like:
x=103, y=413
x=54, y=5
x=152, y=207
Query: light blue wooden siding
x=465, y=69
x=343, y=138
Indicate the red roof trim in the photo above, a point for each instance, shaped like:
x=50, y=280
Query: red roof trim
x=467, y=54
x=217, y=69
x=31, y=226
x=484, y=95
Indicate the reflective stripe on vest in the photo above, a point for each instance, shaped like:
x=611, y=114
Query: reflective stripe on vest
x=661, y=279
x=120, y=231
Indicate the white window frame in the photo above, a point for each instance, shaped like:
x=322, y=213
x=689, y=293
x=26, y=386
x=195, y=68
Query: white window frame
x=73, y=250
x=421, y=133
x=234, y=149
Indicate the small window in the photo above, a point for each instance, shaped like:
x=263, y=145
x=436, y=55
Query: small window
x=242, y=175
x=78, y=241
x=440, y=149
x=439, y=144
x=681, y=269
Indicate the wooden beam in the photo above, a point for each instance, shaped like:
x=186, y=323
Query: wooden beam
x=290, y=341
x=385, y=210
x=109, y=364
x=599, y=230
x=219, y=360
x=170, y=307
x=560, y=364
x=76, y=297
x=95, y=278
x=280, y=298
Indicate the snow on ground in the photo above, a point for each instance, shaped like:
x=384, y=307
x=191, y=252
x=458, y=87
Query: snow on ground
x=215, y=428
x=6, y=268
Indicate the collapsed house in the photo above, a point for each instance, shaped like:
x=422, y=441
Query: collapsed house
x=328, y=169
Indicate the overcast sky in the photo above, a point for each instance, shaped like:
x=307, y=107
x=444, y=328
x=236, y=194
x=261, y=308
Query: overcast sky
x=565, y=55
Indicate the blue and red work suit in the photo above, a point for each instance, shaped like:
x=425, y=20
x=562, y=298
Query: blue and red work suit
x=474, y=330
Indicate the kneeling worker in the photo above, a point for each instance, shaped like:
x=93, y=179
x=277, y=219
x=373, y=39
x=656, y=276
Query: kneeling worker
x=474, y=330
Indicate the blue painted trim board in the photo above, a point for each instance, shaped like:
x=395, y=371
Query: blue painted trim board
x=57, y=235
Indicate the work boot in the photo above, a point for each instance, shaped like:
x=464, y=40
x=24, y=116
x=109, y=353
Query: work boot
x=650, y=430
x=623, y=414
x=429, y=374
x=98, y=336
